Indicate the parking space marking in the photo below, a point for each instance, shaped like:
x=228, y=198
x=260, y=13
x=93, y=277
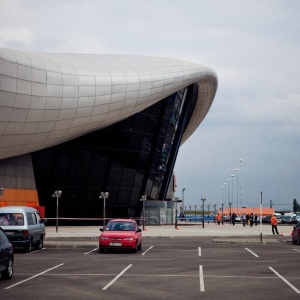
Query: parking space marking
x=297, y=250
x=199, y=251
x=9, y=287
x=252, y=252
x=35, y=251
x=90, y=251
x=287, y=282
x=147, y=250
x=202, y=289
x=117, y=277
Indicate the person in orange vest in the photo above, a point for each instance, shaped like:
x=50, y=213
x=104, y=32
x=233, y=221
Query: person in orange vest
x=274, y=224
x=219, y=219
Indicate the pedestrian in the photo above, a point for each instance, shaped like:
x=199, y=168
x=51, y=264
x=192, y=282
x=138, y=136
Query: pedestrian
x=244, y=219
x=255, y=219
x=233, y=218
x=251, y=219
x=219, y=219
x=248, y=219
x=274, y=224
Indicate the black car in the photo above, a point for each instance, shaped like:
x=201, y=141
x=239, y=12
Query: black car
x=266, y=219
x=288, y=220
x=6, y=257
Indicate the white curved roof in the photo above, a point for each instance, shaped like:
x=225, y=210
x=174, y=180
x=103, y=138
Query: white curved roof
x=48, y=99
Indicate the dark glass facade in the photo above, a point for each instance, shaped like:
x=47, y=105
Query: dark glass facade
x=129, y=159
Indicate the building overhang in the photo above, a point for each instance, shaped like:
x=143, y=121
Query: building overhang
x=48, y=99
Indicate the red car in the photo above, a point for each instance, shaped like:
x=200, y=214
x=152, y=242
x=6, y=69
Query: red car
x=121, y=234
x=296, y=234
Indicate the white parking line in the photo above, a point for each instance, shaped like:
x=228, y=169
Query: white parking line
x=202, y=289
x=252, y=252
x=90, y=251
x=147, y=250
x=7, y=288
x=199, y=251
x=287, y=282
x=297, y=250
x=36, y=251
x=117, y=277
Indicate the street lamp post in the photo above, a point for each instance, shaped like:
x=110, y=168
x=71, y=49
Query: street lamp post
x=203, y=200
x=222, y=212
x=208, y=212
x=57, y=195
x=241, y=196
x=230, y=211
x=183, y=200
x=143, y=198
x=103, y=196
x=232, y=190
x=237, y=189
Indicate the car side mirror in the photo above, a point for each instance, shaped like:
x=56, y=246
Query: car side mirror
x=101, y=229
x=43, y=221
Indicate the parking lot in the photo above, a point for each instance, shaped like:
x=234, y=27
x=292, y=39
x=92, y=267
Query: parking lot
x=166, y=268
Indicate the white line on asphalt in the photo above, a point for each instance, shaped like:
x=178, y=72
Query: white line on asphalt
x=287, y=282
x=297, y=250
x=36, y=251
x=90, y=251
x=117, y=277
x=252, y=252
x=199, y=251
x=202, y=289
x=147, y=250
x=32, y=277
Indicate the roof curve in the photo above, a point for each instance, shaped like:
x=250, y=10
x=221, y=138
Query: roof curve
x=48, y=99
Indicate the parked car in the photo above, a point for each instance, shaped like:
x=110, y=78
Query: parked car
x=121, y=234
x=23, y=226
x=296, y=234
x=6, y=257
x=266, y=219
x=288, y=220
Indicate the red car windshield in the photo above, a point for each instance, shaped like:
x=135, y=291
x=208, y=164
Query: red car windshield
x=120, y=226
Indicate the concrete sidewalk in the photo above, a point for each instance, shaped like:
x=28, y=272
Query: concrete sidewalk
x=79, y=236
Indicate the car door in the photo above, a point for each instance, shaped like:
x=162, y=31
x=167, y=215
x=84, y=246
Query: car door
x=3, y=251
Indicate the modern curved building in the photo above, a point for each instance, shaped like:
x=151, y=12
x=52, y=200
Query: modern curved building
x=87, y=123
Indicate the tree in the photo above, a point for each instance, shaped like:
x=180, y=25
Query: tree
x=296, y=206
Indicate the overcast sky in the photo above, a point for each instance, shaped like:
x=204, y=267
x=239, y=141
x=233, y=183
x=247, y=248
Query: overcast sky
x=254, y=47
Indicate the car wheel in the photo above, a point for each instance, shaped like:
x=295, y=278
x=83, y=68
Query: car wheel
x=28, y=248
x=294, y=242
x=298, y=242
x=139, y=247
x=101, y=250
x=8, y=273
x=134, y=250
x=40, y=244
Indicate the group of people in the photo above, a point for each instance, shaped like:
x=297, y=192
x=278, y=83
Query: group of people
x=249, y=219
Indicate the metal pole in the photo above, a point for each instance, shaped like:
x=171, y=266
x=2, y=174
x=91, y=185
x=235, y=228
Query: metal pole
x=260, y=216
x=230, y=212
x=203, y=200
x=222, y=212
x=56, y=213
x=208, y=212
x=103, y=196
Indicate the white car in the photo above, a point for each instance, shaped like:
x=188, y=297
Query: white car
x=23, y=226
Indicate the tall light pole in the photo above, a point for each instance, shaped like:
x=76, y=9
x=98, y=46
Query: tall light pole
x=203, y=200
x=228, y=190
x=230, y=212
x=143, y=198
x=208, y=212
x=103, y=196
x=183, y=200
x=57, y=195
x=225, y=194
x=237, y=189
x=241, y=196
x=232, y=189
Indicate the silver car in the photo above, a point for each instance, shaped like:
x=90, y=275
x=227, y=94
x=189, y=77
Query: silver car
x=23, y=226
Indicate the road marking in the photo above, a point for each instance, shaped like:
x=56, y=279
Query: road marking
x=117, y=277
x=297, y=250
x=147, y=250
x=252, y=252
x=199, y=251
x=90, y=251
x=202, y=289
x=35, y=251
x=287, y=282
x=7, y=288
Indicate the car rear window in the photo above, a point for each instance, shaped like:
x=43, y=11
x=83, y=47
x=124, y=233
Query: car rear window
x=15, y=219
